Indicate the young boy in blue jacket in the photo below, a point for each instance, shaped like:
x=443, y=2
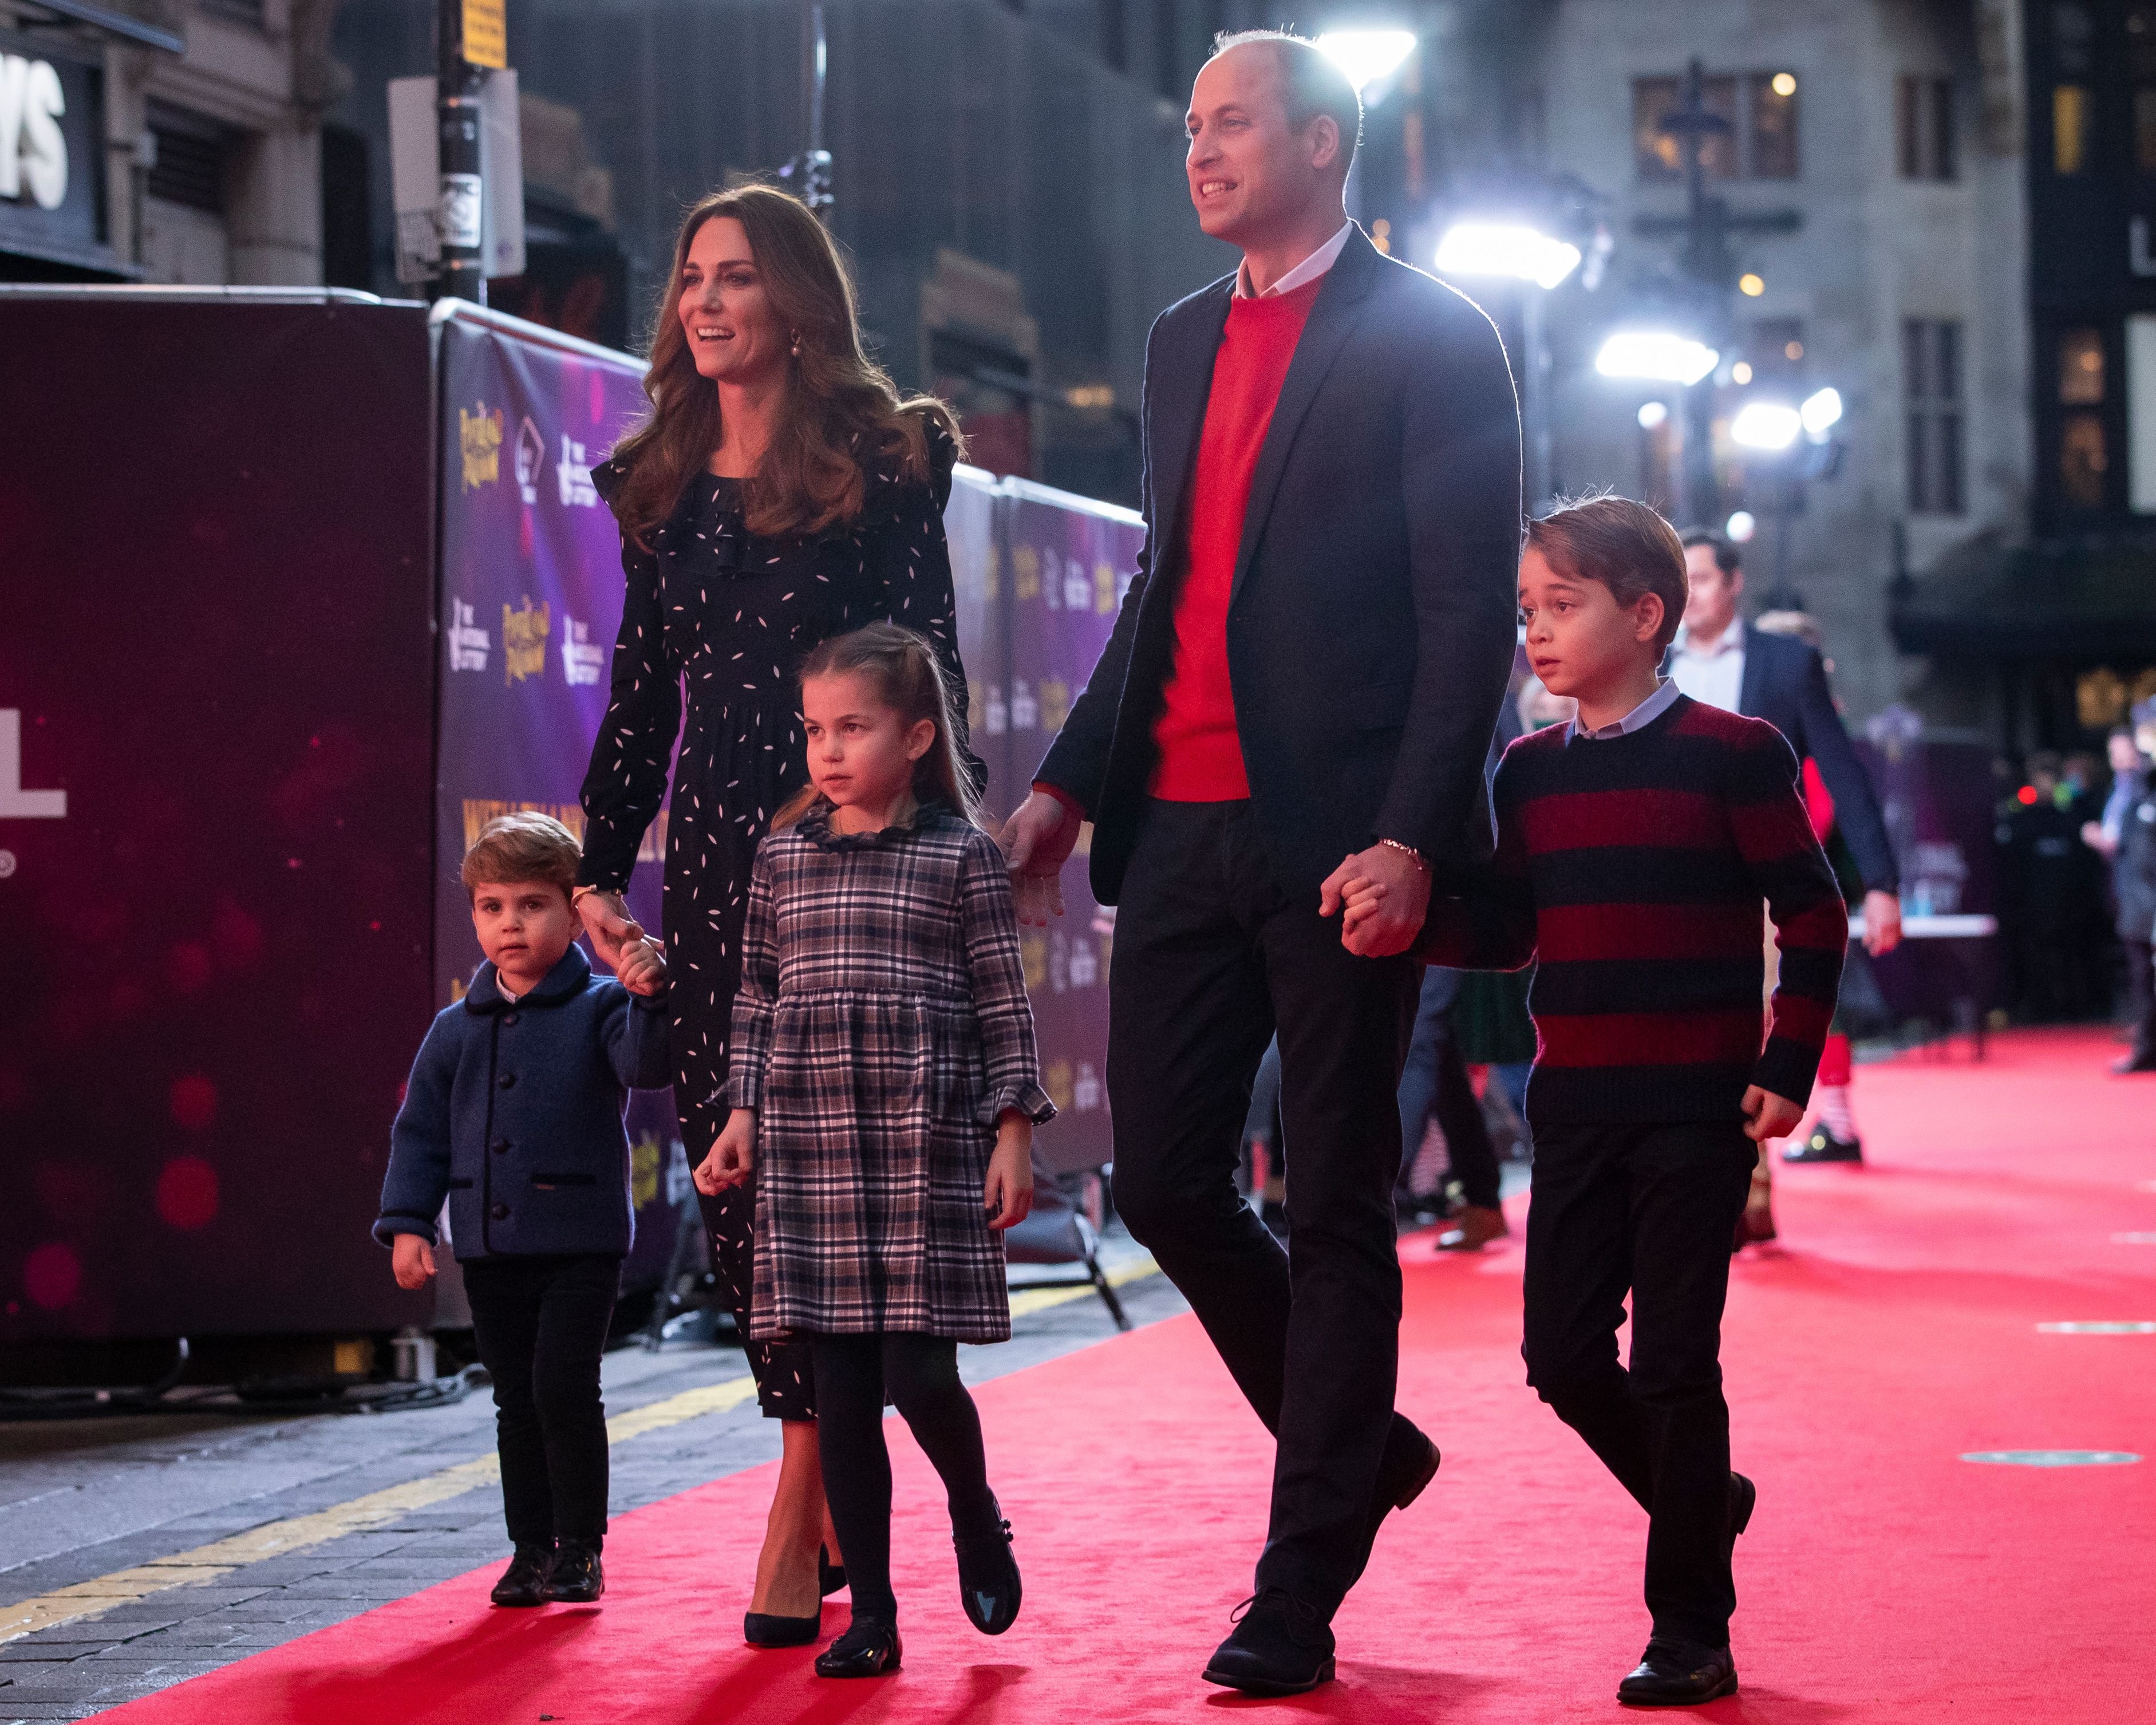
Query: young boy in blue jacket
x=513, y=1114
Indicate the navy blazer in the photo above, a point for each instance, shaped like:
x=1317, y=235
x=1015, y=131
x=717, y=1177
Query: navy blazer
x=1373, y=612
x=513, y=1113
x=1784, y=683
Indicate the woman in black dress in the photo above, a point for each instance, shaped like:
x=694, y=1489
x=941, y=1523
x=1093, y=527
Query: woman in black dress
x=781, y=492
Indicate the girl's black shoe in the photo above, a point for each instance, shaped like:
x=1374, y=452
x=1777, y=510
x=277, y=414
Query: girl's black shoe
x=522, y=1582
x=988, y=1583
x=761, y=1629
x=577, y=1577
x=868, y=1649
x=830, y=1576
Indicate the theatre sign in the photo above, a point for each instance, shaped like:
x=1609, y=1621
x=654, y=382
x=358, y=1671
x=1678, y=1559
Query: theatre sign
x=52, y=167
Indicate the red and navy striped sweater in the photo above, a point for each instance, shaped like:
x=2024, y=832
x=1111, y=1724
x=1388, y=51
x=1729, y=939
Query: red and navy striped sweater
x=1631, y=869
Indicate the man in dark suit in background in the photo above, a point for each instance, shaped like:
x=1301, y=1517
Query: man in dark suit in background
x=1720, y=658
x=1308, y=664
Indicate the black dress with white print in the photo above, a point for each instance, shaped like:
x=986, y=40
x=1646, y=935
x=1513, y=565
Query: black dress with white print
x=729, y=616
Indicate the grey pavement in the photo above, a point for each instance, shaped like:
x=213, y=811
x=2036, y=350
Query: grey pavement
x=80, y=1499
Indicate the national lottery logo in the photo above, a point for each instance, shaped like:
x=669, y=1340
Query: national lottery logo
x=478, y=437
x=531, y=459
x=469, y=644
x=581, y=661
x=573, y=473
x=524, y=640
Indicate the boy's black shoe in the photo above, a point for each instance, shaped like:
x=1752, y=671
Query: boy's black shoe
x=1822, y=1145
x=523, y=1582
x=1280, y=1646
x=988, y=1584
x=1674, y=1673
x=868, y=1649
x=577, y=1577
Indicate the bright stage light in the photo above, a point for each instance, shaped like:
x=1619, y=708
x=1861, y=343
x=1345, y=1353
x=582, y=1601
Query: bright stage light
x=1506, y=248
x=1768, y=425
x=1653, y=413
x=1822, y=412
x=1367, y=55
x=1658, y=356
x=1740, y=526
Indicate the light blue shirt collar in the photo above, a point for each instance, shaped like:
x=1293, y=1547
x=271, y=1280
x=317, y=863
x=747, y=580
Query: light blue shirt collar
x=1642, y=716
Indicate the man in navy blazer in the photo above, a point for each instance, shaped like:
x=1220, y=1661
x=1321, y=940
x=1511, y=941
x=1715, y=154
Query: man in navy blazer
x=1721, y=659
x=1308, y=665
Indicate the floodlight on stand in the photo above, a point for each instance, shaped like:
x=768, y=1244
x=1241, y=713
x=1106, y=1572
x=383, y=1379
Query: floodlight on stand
x=1655, y=356
x=1740, y=526
x=1820, y=413
x=1653, y=413
x=1768, y=425
x=1367, y=55
x=1506, y=248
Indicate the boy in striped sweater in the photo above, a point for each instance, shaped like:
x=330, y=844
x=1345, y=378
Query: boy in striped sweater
x=1636, y=848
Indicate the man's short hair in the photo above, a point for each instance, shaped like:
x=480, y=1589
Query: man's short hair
x=523, y=846
x=1312, y=80
x=1727, y=558
x=1623, y=544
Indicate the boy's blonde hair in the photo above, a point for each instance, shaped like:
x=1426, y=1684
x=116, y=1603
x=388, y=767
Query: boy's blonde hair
x=1623, y=544
x=523, y=846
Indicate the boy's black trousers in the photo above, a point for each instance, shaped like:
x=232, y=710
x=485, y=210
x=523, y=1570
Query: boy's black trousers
x=1649, y=1209
x=540, y=1324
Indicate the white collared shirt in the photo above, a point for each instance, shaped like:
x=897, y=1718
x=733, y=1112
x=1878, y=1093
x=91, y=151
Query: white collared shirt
x=1642, y=716
x=1713, y=675
x=1309, y=269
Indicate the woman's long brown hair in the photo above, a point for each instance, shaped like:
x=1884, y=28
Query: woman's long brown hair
x=841, y=409
x=902, y=669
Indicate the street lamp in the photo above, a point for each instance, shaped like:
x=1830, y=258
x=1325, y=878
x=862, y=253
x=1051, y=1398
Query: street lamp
x=1367, y=56
x=1770, y=426
x=1820, y=414
x=1656, y=356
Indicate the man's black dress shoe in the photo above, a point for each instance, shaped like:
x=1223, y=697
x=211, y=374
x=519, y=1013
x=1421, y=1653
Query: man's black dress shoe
x=1822, y=1145
x=2139, y=1061
x=1280, y=1646
x=989, y=1585
x=522, y=1582
x=576, y=1577
x=766, y=1628
x=868, y=1649
x=1673, y=1673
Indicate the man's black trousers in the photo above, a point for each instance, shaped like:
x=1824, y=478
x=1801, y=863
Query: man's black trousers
x=541, y=1324
x=1647, y=1209
x=1211, y=958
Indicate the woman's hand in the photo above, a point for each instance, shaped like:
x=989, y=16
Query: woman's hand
x=1008, y=1197
x=412, y=1261
x=732, y=1157
x=605, y=919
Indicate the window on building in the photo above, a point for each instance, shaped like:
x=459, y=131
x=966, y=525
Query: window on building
x=2083, y=458
x=1932, y=399
x=2141, y=68
x=2141, y=414
x=2073, y=116
x=1924, y=128
x=1660, y=155
x=1774, y=127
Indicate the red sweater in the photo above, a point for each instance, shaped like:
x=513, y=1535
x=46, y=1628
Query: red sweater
x=1632, y=870
x=1201, y=757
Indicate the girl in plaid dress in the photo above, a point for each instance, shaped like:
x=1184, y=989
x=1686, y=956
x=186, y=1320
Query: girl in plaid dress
x=885, y=1088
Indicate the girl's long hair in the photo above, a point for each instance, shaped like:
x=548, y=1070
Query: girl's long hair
x=901, y=667
x=840, y=410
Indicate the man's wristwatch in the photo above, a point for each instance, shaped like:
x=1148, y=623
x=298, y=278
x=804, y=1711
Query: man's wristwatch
x=1421, y=862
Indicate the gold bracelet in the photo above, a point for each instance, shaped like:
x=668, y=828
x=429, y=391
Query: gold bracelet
x=1421, y=862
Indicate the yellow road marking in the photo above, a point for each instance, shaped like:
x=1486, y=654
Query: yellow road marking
x=222, y=1557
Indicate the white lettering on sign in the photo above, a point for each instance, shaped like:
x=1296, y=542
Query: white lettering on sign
x=572, y=474
x=16, y=803
x=33, y=154
x=581, y=661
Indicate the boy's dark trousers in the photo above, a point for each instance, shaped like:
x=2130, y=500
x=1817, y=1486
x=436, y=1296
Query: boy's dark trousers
x=1650, y=1208
x=540, y=1324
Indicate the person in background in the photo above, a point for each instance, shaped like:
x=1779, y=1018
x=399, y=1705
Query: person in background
x=1435, y=1083
x=2126, y=835
x=1722, y=660
x=513, y=1114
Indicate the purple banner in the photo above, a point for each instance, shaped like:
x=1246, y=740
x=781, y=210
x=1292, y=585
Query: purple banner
x=531, y=600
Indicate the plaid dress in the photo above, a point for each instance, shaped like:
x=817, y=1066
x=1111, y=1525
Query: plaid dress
x=881, y=1030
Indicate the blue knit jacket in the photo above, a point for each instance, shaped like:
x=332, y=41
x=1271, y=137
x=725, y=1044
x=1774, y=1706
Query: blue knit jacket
x=514, y=1112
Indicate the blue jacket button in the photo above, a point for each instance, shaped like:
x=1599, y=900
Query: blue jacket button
x=501, y=1146
x=507, y=1080
x=499, y=1212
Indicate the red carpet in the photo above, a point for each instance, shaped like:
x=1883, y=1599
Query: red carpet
x=1884, y=1579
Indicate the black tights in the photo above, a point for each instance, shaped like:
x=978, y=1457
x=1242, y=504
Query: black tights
x=920, y=1375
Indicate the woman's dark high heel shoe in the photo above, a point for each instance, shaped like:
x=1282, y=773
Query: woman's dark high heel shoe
x=988, y=1584
x=868, y=1649
x=760, y=1629
x=830, y=1576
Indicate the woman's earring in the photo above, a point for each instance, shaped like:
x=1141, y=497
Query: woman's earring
x=796, y=344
